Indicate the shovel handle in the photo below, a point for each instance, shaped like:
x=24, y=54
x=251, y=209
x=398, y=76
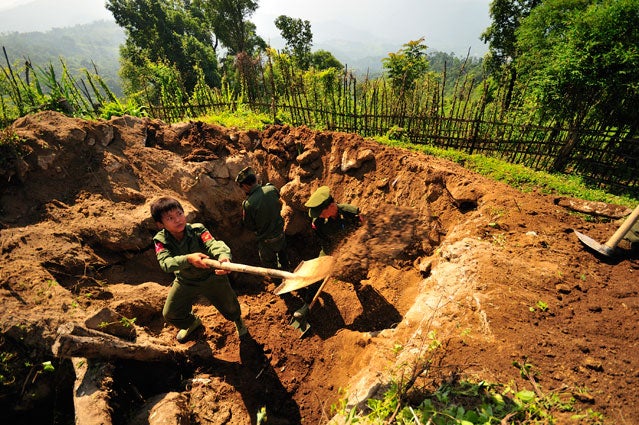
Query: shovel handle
x=244, y=268
x=318, y=292
x=623, y=229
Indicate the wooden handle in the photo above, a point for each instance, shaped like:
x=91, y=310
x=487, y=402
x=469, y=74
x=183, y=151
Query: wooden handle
x=623, y=229
x=318, y=292
x=244, y=268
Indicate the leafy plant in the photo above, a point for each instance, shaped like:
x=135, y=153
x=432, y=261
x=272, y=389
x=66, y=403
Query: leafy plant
x=11, y=148
x=117, y=109
x=6, y=375
x=124, y=321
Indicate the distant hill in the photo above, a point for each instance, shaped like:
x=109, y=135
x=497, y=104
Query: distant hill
x=80, y=46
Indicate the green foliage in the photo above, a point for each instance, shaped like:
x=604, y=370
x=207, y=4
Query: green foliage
x=506, y=17
x=467, y=402
x=242, y=118
x=124, y=321
x=323, y=59
x=48, y=367
x=118, y=109
x=25, y=89
x=407, y=65
x=463, y=402
x=174, y=33
x=7, y=374
x=519, y=176
x=91, y=46
x=299, y=39
x=455, y=71
x=581, y=58
x=541, y=305
x=11, y=149
x=229, y=21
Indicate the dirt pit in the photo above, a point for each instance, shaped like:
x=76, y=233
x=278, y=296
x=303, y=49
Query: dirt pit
x=498, y=275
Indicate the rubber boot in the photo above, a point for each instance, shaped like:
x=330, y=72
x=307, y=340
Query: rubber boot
x=300, y=320
x=301, y=312
x=183, y=334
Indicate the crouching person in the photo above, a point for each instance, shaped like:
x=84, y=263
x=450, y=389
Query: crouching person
x=180, y=248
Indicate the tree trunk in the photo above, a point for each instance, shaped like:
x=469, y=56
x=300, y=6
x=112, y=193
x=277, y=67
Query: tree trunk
x=76, y=341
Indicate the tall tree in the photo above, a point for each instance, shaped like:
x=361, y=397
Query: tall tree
x=506, y=17
x=299, y=39
x=172, y=32
x=407, y=65
x=323, y=59
x=581, y=58
x=230, y=24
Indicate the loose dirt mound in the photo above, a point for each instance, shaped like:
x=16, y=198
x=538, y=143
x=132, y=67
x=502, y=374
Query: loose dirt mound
x=442, y=249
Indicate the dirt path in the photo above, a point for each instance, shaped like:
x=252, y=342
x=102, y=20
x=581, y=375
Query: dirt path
x=499, y=275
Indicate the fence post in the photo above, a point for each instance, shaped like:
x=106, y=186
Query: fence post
x=563, y=157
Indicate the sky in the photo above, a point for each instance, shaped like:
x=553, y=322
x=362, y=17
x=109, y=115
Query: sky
x=447, y=25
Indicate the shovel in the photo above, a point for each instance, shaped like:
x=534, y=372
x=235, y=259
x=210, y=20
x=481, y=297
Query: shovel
x=306, y=273
x=608, y=249
x=302, y=323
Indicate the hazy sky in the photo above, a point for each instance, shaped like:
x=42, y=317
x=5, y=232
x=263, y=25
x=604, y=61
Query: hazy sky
x=447, y=25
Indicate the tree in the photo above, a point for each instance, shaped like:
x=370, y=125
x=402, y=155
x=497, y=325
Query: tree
x=581, y=58
x=407, y=65
x=500, y=35
x=501, y=38
x=230, y=25
x=323, y=59
x=299, y=39
x=171, y=32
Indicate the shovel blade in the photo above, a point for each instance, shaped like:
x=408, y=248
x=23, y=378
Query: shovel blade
x=593, y=244
x=307, y=273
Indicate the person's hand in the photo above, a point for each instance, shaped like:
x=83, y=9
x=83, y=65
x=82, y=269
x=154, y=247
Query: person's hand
x=220, y=271
x=196, y=260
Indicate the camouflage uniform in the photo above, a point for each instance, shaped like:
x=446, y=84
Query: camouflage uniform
x=190, y=281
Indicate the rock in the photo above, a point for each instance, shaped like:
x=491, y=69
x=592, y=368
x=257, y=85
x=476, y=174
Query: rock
x=108, y=321
x=353, y=159
x=163, y=409
x=594, y=208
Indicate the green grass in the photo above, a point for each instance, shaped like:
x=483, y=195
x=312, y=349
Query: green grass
x=242, y=118
x=519, y=176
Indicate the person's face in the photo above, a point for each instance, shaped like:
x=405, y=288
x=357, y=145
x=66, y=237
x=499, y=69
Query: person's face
x=330, y=211
x=174, y=221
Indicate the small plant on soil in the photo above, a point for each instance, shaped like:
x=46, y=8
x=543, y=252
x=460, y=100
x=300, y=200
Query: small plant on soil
x=124, y=321
x=541, y=306
x=465, y=402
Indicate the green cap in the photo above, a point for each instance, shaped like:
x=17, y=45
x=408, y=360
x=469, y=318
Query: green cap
x=243, y=174
x=318, y=201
